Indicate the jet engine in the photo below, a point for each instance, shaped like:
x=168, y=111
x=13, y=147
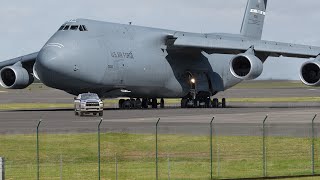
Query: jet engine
x=246, y=66
x=310, y=73
x=15, y=77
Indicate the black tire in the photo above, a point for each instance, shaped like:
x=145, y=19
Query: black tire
x=138, y=104
x=81, y=114
x=215, y=103
x=208, y=103
x=184, y=103
x=154, y=103
x=223, y=103
x=76, y=113
x=121, y=101
x=144, y=103
x=101, y=113
x=162, y=103
x=126, y=104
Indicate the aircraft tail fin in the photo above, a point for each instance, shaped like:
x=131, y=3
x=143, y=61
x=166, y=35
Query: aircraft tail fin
x=253, y=19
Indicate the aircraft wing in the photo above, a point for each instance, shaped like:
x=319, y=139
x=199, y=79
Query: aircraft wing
x=27, y=61
x=239, y=45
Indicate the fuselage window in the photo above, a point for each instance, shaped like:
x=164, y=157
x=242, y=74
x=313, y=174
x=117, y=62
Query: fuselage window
x=61, y=28
x=66, y=28
x=74, y=28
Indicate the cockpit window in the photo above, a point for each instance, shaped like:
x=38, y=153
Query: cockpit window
x=61, y=28
x=74, y=28
x=83, y=28
x=66, y=28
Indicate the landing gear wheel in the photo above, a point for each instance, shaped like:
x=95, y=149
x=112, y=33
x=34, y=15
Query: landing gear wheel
x=162, y=103
x=126, y=104
x=144, y=103
x=184, y=103
x=154, y=103
x=94, y=114
x=138, y=104
x=223, y=103
x=215, y=103
x=121, y=101
x=132, y=103
x=208, y=103
x=101, y=113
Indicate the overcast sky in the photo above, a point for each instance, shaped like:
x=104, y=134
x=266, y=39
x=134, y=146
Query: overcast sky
x=27, y=25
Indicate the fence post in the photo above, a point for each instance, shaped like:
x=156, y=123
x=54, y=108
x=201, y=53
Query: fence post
x=157, y=177
x=38, y=159
x=116, y=165
x=312, y=146
x=2, y=171
x=264, y=157
x=211, y=149
x=99, y=173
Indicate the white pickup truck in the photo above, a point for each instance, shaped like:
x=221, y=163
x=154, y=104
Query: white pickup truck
x=88, y=103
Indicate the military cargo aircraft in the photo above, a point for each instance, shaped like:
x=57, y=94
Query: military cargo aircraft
x=143, y=64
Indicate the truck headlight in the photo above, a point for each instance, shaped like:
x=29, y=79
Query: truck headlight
x=101, y=103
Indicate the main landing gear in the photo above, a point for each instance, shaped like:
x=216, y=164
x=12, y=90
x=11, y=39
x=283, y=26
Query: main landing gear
x=138, y=103
x=203, y=103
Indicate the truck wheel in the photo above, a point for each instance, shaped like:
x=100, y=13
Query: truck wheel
x=81, y=113
x=101, y=113
x=75, y=113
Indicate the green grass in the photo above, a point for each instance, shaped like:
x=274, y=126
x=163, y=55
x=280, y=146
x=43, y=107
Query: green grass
x=189, y=156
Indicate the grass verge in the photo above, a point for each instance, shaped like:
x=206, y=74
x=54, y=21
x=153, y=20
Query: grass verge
x=74, y=156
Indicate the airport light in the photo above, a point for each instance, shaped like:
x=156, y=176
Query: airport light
x=193, y=80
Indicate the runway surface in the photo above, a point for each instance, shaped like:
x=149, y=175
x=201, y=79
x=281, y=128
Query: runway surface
x=285, y=119
x=232, y=121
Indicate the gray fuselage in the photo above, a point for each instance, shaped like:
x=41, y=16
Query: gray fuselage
x=115, y=60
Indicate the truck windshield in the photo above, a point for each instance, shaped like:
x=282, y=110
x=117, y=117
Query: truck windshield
x=89, y=96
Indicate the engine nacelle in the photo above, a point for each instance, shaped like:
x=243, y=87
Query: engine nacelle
x=310, y=73
x=246, y=66
x=15, y=77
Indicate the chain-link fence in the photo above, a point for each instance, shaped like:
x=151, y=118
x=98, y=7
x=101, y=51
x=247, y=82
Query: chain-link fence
x=268, y=147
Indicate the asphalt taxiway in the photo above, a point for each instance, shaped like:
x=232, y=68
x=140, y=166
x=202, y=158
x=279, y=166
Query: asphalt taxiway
x=239, y=119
